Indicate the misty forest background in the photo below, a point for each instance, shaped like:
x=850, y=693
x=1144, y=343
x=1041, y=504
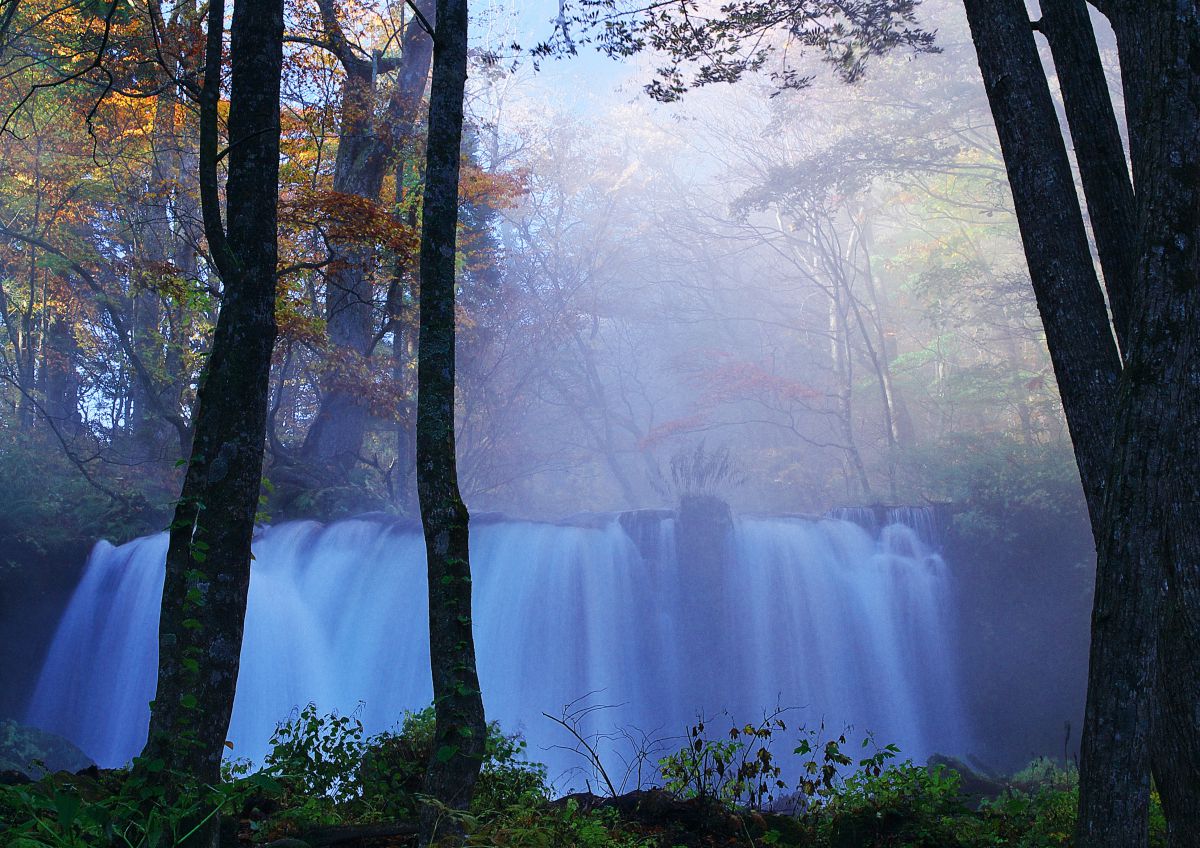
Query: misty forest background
x=829, y=282
x=821, y=282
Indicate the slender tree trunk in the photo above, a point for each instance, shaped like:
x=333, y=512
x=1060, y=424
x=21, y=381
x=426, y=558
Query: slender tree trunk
x=336, y=434
x=152, y=435
x=843, y=368
x=400, y=310
x=62, y=380
x=1098, y=149
x=1065, y=285
x=459, y=726
x=208, y=558
x=407, y=97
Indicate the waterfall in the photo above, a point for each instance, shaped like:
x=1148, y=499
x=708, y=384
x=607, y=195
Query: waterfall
x=846, y=623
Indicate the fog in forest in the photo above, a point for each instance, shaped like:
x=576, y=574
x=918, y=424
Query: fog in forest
x=754, y=404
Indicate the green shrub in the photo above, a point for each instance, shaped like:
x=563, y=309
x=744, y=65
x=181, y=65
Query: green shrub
x=740, y=771
x=319, y=755
x=507, y=779
x=130, y=809
x=333, y=774
x=540, y=825
x=902, y=804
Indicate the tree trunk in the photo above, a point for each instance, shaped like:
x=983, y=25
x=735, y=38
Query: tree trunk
x=365, y=151
x=208, y=558
x=153, y=436
x=1098, y=148
x=459, y=725
x=843, y=369
x=407, y=95
x=1154, y=510
x=1144, y=674
x=1065, y=285
x=62, y=379
x=336, y=434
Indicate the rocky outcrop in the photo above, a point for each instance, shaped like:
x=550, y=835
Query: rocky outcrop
x=34, y=752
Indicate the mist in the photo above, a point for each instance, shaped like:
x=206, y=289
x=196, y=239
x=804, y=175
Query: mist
x=753, y=409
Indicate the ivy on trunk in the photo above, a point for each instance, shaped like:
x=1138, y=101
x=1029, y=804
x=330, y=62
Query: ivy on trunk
x=208, y=558
x=459, y=731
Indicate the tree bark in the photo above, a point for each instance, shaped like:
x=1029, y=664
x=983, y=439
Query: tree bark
x=459, y=729
x=336, y=434
x=407, y=95
x=1154, y=509
x=1115, y=777
x=208, y=558
x=62, y=380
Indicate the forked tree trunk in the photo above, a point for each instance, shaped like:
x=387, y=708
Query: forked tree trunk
x=1086, y=364
x=458, y=705
x=367, y=148
x=1144, y=674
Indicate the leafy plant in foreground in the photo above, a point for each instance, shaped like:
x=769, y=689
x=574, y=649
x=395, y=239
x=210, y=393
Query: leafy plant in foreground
x=141, y=808
x=740, y=770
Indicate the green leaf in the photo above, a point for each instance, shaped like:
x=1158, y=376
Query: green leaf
x=66, y=804
x=266, y=783
x=446, y=753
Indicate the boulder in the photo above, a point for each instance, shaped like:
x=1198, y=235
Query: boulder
x=34, y=752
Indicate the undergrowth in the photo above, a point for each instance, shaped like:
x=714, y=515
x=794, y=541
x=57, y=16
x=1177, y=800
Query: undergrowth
x=730, y=789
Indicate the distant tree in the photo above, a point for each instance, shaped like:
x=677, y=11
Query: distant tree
x=367, y=150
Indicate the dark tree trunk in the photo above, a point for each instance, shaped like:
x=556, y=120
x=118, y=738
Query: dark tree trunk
x=1065, y=285
x=1098, y=149
x=406, y=101
x=1154, y=508
x=336, y=434
x=153, y=436
x=459, y=726
x=1141, y=483
x=62, y=379
x=208, y=559
x=1087, y=367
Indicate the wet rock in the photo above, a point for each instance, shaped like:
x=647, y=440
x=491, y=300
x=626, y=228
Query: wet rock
x=644, y=528
x=34, y=752
x=976, y=786
x=12, y=777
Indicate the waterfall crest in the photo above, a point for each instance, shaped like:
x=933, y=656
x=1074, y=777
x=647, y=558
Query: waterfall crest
x=846, y=624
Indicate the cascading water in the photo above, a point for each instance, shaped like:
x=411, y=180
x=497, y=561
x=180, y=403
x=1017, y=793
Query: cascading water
x=822, y=615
